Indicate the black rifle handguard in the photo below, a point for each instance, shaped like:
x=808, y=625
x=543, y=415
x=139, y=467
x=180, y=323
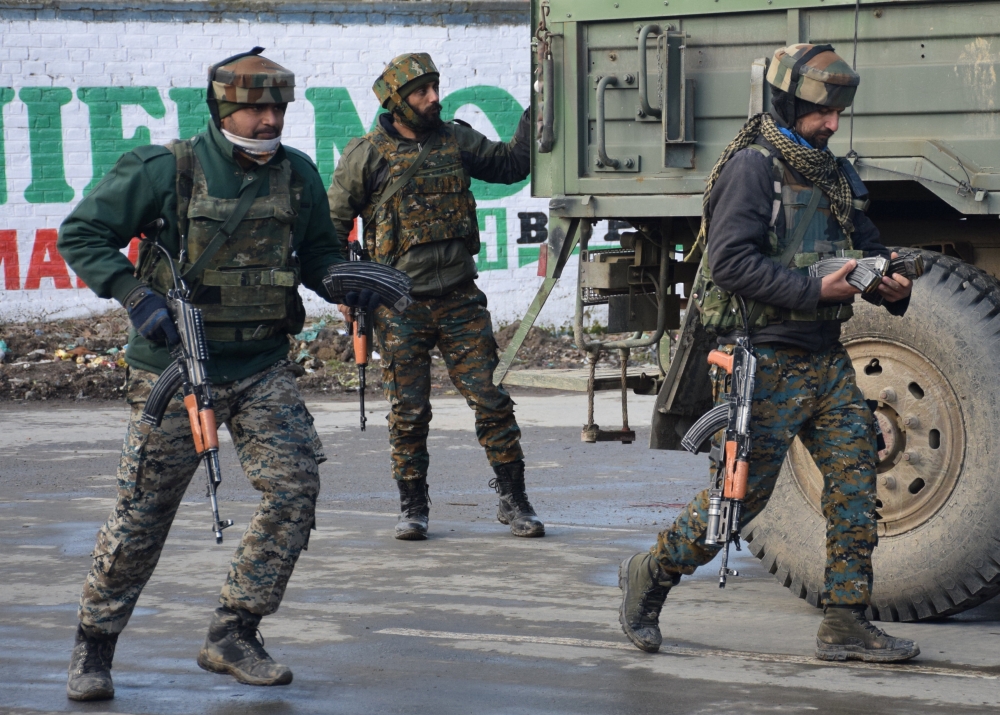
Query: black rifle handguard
x=707, y=425
x=166, y=386
x=392, y=284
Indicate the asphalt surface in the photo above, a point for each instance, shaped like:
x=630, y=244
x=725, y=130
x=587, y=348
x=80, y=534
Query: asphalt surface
x=471, y=620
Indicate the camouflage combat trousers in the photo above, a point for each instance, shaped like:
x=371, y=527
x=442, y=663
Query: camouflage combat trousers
x=814, y=396
x=279, y=451
x=460, y=325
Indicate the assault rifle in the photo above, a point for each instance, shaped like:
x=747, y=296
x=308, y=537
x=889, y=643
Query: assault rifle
x=731, y=471
x=188, y=374
x=361, y=274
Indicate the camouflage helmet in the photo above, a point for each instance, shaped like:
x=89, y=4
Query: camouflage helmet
x=248, y=78
x=814, y=73
x=403, y=75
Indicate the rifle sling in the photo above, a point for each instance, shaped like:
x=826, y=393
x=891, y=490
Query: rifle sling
x=247, y=196
x=785, y=259
x=403, y=180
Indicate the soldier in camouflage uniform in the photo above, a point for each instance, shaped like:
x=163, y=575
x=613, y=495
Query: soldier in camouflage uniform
x=246, y=287
x=776, y=202
x=409, y=180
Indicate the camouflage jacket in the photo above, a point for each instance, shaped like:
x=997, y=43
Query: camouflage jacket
x=140, y=189
x=363, y=173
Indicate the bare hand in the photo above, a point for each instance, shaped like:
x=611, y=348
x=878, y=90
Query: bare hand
x=347, y=312
x=836, y=289
x=895, y=288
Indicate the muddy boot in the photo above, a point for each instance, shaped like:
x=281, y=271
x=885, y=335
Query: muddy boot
x=514, y=508
x=232, y=647
x=846, y=634
x=414, y=508
x=90, y=667
x=644, y=588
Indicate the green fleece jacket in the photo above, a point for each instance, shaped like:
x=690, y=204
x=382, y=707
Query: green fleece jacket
x=141, y=188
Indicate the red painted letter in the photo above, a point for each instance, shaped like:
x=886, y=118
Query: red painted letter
x=46, y=261
x=8, y=257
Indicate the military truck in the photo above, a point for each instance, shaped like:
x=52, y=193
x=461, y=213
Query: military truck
x=634, y=102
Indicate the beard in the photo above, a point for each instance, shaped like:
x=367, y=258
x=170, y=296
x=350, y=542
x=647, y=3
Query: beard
x=429, y=118
x=820, y=139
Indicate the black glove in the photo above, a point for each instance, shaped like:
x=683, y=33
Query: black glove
x=365, y=300
x=148, y=312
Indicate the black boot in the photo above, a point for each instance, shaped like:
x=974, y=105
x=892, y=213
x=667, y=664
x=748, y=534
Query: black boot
x=90, y=667
x=644, y=586
x=414, y=508
x=514, y=507
x=847, y=634
x=232, y=647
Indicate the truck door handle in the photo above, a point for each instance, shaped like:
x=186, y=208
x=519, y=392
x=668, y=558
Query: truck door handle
x=644, y=33
x=602, y=151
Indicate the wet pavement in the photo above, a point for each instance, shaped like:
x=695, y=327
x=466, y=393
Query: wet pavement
x=471, y=620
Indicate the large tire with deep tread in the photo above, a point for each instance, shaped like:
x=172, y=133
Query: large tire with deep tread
x=951, y=561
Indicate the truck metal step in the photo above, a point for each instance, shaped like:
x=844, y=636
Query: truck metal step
x=575, y=380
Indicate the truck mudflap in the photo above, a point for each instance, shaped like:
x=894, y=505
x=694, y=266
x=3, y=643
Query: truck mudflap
x=686, y=393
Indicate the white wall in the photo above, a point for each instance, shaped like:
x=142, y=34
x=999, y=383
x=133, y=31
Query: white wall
x=167, y=55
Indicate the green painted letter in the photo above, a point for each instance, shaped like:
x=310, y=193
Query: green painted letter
x=107, y=139
x=48, y=170
x=337, y=122
x=192, y=112
x=6, y=94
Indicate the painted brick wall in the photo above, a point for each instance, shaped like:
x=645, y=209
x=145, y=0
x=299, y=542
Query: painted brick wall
x=80, y=84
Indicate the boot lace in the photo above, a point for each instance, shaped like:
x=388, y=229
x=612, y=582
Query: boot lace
x=516, y=494
x=248, y=642
x=870, y=627
x=99, y=654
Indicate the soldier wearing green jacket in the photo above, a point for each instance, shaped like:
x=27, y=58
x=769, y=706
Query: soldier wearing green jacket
x=409, y=181
x=246, y=285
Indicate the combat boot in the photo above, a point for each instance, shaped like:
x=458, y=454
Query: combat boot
x=644, y=586
x=232, y=647
x=90, y=667
x=847, y=634
x=414, y=507
x=514, y=508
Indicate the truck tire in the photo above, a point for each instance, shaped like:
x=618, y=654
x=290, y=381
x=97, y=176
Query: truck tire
x=936, y=375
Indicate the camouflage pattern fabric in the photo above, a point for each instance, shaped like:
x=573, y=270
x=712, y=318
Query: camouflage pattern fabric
x=248, y=289
x=435, y=205
x=254, y=80
x=825, y=79
x=279, y=451
x=814, y=396
x=461, y=327
x=403, y=75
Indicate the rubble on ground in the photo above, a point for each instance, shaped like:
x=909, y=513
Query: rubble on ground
x=84, y=358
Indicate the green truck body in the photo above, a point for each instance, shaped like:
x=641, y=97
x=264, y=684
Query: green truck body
x=634, y=102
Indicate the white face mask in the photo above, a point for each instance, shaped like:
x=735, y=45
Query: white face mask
x=260, y=150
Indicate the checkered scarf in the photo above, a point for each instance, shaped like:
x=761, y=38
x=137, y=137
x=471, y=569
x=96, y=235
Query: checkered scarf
x=817, y=165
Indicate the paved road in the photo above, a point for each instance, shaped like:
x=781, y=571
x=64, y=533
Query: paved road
x=472, y=620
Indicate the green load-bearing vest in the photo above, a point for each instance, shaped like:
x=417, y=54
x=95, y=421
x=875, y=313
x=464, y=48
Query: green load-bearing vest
x=248, y=290
x=819, y=237
x=436, y=204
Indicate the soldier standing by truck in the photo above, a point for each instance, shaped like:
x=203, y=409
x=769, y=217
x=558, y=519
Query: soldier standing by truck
x=776, y=202
x=409, y=180
x=267, y=203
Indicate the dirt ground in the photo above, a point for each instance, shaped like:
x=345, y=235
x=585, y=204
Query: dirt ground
x=84, y=358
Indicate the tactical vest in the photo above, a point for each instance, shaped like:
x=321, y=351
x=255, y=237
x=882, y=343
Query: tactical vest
x=821, y=238
x=249, y=288
x=436, y=204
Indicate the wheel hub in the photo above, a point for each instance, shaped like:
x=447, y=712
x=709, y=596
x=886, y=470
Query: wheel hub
x=921, y=422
